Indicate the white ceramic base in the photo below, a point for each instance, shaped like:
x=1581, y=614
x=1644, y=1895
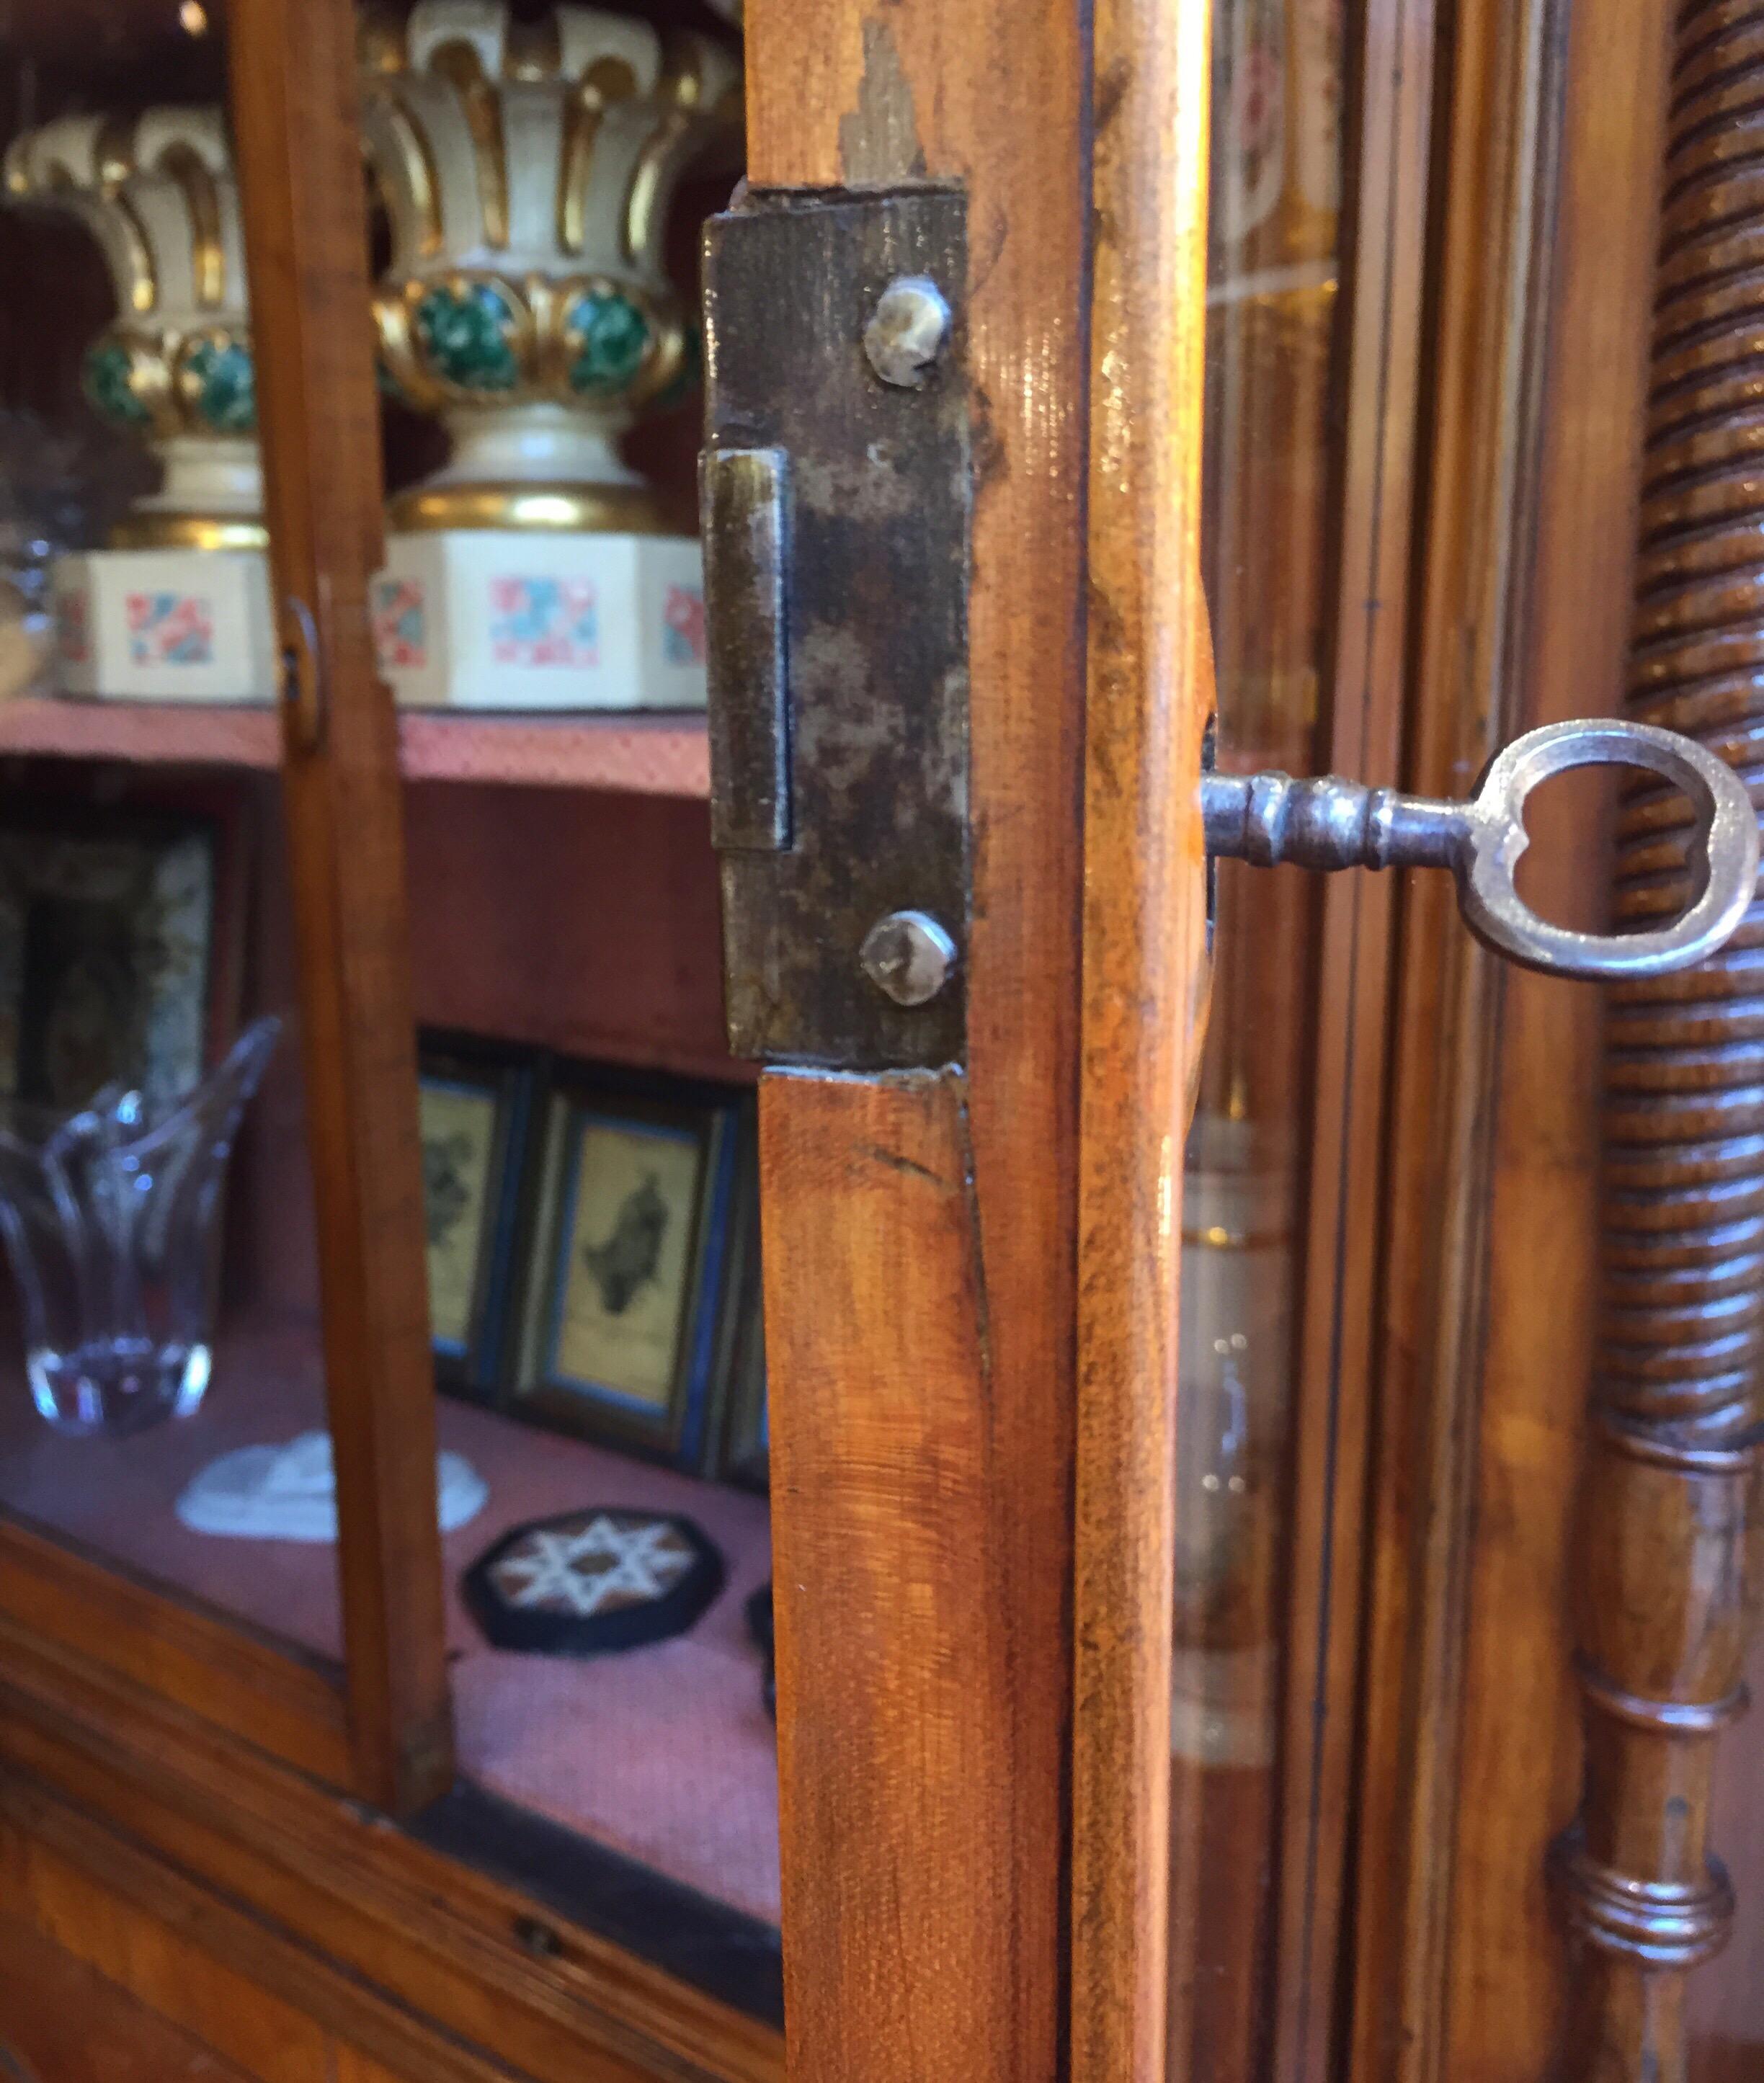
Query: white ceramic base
x=164, y=625
x=289, y=1493
x=488, y=618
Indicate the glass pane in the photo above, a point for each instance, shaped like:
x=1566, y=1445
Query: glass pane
x=588, y=1143
x=1272, y=262
x=161, y=1388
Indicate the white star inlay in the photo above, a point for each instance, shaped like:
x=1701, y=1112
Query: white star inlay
x=645, y=1561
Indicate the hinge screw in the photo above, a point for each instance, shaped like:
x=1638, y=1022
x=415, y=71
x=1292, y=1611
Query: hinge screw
x=908, y=957
x=906, y=334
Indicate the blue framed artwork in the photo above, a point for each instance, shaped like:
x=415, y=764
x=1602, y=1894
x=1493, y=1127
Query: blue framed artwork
x=622, y=1333
x=475, y=1106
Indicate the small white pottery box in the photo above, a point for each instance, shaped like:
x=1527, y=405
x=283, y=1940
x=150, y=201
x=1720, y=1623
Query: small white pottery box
x=167, y=625
x=504, y=619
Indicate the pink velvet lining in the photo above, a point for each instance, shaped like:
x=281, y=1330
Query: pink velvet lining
x=665, y=1753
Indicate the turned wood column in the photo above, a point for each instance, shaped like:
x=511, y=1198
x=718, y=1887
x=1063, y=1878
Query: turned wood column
x=1662, y=1592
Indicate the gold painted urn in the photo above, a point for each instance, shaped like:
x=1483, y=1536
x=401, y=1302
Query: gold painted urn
x=156, y=191
x=527, y=172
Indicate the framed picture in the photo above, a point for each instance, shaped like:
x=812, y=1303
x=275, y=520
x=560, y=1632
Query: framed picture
x=746, y=1444
x=737, y=1447
x=629, y=1270
x=117, y=955
x=475, y=1106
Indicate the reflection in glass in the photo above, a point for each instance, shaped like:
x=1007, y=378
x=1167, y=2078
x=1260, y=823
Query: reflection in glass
x=1271, y=298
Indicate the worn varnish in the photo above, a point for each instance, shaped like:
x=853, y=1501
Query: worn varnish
x=1663, y=1594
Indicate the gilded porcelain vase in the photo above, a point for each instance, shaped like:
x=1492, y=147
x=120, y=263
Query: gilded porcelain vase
x=158, y=191
x=527, y=172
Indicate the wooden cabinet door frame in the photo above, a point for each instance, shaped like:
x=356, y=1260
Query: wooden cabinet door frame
x=380, y=1726
x=971, y=1283
x=293, y=74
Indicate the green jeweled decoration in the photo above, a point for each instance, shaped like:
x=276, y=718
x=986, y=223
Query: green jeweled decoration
x=109, y=366
x=226, y=386
x=612, y=339
x=467, y=337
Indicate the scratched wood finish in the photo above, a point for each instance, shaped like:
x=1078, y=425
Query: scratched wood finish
x=848, y=93
x=1664, y=1582
x=293, y=70
x=1149, y=695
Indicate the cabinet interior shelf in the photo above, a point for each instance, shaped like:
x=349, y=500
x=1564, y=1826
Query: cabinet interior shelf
x=653, y=756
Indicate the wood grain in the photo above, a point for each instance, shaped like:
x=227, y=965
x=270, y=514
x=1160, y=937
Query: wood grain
x=234, y=1845
x=1549, y=167
x=293, y=71
x=1665, y=1573
x=1149, y=697
x=204, y=1661
x=844, y=92
x=63, y=2023
x=1371, y=628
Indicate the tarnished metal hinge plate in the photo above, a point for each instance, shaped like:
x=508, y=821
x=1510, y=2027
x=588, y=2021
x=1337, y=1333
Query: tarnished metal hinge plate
x=836, y=500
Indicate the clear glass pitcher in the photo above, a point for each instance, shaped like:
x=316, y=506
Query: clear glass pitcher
x=109, y=1221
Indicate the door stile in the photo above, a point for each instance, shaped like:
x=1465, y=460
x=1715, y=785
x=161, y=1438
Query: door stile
x=1149, y=698
x=918, y=1226
x=294, y=97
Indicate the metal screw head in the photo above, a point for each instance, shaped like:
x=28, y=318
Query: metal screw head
x=906, y=333
x=908, y=957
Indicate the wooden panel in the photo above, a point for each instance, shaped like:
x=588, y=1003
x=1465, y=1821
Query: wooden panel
x=1149, y=697
x=443, y=1939
x=293, y=69
x=61, y=2022
x=264, y=2036
x=843, y=94
x=349, y=2065
x=206, y=1664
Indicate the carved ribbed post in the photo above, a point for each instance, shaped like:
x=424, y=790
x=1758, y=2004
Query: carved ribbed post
x=1662, y=1603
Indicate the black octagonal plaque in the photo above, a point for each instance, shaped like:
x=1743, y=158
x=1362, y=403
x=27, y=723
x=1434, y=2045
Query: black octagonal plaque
x=605, y=1578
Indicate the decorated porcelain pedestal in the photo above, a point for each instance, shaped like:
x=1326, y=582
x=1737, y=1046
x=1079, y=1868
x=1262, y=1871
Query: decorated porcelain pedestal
x=164, y=625
x=478, y=619
x=527, y=176
x=179, y=609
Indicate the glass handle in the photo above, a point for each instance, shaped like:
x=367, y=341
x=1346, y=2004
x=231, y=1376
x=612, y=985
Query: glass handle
x=1328, y=822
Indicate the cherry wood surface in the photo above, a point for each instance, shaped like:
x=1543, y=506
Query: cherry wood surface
x=293, y=73
x=938, y=1266
x=1665, y=1553
x=1149, y=696
x=63, y=2023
